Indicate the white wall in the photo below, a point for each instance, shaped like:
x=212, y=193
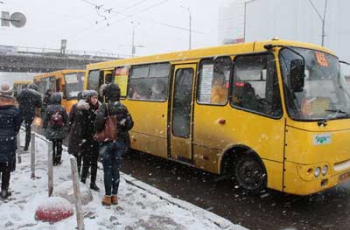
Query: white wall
x=297, y=20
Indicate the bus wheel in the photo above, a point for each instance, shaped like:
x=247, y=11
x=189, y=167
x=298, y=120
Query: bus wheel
x=250, y=174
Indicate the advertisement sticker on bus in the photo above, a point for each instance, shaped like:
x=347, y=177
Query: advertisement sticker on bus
x=121, y=78
x=322, y=139
x=207, y=78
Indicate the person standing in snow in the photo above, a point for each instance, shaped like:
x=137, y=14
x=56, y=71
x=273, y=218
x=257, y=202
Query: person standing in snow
x=75, y=129
x=10, y=123
x=111, y=151
x=28, y=99
x=55, y=125
x=86, y=114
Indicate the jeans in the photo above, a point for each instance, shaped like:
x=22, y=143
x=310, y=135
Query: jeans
x=111, y=155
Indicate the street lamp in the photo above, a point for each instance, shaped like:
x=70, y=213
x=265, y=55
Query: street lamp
x=133, y=47
x=323, y=19
x=190, y=26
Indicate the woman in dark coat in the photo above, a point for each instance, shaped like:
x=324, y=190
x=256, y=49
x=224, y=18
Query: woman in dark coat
x=111, y=151
x=55, y=126
x=75, y=129
x=86, y=114
x=10, y=123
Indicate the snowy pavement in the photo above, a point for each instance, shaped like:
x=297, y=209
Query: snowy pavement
x=140, y=205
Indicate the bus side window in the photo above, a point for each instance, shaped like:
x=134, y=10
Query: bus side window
x=149, y=82
x=214, y=80
x=255, y=84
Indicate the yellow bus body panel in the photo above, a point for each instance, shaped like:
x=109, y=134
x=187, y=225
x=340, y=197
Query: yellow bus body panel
x=149, y=133
x=303, y=154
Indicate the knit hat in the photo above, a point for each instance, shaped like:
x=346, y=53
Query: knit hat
x=112, y=92
x=33, y=86
x=87, y=94
x=5, y=89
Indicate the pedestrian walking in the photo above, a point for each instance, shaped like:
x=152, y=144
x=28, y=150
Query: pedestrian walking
x=75, y=139
x=111, y=151
x=46, y=101
x=86, y=114
x=10, y=123
x=28, y=99
x=55, y=126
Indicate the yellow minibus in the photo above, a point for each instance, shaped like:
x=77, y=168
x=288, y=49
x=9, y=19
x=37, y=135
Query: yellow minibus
x=269, y=114
x=19, y=85
x=67, y=82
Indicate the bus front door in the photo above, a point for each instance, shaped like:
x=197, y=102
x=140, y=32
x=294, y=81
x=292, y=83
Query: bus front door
x=181, y=113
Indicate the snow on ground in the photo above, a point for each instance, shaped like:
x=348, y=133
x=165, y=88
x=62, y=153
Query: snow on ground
x=140, y=206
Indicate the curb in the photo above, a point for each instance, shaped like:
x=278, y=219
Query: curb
x=218, y=220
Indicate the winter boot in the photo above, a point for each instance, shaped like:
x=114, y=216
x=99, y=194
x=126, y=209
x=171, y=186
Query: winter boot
x=114, y=199
x=93, y=186
x=5, y=193
x=106, y=200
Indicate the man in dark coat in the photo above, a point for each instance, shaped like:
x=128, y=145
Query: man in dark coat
x=28, y=99
x=10, y=123
x=55, y=129
x=46, y=101
x=75, y=128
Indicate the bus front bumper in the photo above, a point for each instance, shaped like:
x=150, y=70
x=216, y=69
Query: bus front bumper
x=301, y=180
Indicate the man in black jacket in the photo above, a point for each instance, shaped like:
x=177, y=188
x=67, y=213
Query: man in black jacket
x=28, y=99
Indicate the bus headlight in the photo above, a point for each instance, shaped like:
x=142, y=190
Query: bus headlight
x=317, y=172
x=324, y=170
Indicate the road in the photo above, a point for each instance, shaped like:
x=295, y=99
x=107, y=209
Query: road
x=269, y=211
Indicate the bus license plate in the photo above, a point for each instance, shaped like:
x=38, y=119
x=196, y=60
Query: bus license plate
x=344, y=177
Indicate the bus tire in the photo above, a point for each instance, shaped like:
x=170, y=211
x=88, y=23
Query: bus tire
x=250, y=174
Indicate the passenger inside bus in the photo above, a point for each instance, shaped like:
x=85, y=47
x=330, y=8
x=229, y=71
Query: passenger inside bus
x=158, y=90
x=219, y=90
x=141, y=92
x=249, y=99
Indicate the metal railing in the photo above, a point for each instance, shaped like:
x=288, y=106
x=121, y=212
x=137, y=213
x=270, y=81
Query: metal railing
x=22, y=50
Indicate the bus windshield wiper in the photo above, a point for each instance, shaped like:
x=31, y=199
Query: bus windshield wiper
x=337, y=111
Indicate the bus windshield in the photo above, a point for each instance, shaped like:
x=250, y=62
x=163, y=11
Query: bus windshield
x=74, y=84
x=325, y=94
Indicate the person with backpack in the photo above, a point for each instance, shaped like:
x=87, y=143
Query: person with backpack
x=111, y=151
x=86, y=114
x=75, y=128
x=28, y=99
x=55, y=125
x=10, y=123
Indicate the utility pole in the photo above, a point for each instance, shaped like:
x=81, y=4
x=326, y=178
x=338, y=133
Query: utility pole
x=133, y=42
x=133, y=46
x=323, y=19
x=190, y=27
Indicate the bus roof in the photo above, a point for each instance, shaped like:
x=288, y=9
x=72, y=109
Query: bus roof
x=57, y=73
x=186, y=55
x=23, y=82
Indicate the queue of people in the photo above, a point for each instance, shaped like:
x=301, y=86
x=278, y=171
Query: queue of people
x=87, y=117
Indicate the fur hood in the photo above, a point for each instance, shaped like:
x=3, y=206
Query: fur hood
x=7, y=100
x=83, y=105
